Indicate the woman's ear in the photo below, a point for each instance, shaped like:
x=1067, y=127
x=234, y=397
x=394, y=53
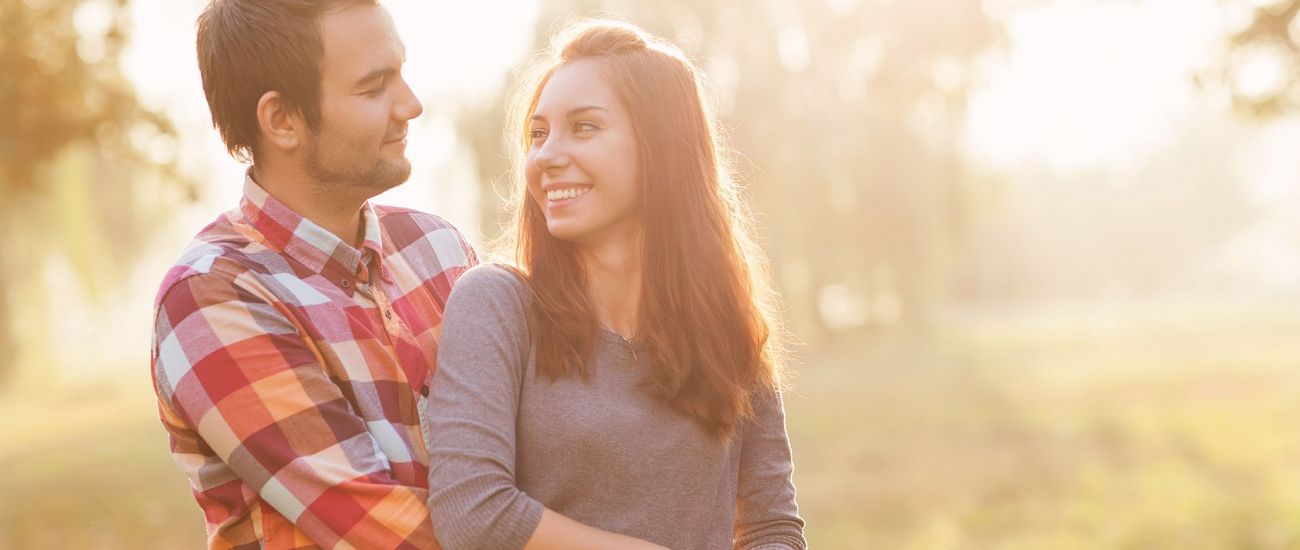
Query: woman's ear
x=280, y=125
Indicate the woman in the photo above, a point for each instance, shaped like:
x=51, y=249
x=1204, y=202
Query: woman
x=618, y=387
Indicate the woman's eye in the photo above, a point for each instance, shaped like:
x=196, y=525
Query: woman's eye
x=585, y=126
x=537, y=134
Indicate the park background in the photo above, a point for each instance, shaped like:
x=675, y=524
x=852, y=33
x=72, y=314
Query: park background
x=1042, y=257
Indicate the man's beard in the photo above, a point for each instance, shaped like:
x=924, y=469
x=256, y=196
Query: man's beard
x=374, y=179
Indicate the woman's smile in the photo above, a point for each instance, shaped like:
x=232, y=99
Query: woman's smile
x=563, y=196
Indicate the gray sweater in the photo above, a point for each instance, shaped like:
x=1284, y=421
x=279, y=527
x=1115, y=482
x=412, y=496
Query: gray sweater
x=504, y=442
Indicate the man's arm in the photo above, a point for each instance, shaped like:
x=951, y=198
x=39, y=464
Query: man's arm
x=233, y=366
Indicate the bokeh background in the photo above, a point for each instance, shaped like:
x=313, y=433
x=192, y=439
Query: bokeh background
x=1042, y=256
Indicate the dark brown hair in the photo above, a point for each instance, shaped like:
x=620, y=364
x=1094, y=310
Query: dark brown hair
x=249, y=47
x=706, y=306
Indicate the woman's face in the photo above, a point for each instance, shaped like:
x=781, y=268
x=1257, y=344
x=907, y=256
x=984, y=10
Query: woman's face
x=583, y=165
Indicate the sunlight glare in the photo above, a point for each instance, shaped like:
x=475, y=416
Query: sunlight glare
x=1091, y=85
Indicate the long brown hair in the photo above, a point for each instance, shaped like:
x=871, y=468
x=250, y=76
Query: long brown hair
x=706, y=318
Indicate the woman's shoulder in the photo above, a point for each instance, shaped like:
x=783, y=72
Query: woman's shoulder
x=490, y=282
x=492, y=274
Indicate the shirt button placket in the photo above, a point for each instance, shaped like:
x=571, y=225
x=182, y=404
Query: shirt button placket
x=391, y=324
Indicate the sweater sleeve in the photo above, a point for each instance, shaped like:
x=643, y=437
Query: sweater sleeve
x=473, y=401
x=766, y=514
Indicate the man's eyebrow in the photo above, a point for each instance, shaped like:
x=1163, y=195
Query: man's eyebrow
x=374, y=75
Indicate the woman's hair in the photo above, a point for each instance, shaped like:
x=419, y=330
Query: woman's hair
x=706, y=315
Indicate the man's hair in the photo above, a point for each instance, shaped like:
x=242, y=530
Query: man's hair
x=249, y=47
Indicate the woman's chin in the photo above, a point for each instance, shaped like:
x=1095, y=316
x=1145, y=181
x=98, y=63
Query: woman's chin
x=565, y=231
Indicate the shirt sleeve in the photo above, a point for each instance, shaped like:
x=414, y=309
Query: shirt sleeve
x=767, y=517
x=472, y=409
x=231, y=365
x=471, y=257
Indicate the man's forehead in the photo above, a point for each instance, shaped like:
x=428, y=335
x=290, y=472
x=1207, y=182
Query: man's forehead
x=358, y=38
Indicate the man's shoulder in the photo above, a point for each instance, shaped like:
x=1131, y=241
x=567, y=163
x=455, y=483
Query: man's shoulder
x=421, y=236
x=221, y=250
x=401, y=222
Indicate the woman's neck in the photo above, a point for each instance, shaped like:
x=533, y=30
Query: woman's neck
x=613, y=273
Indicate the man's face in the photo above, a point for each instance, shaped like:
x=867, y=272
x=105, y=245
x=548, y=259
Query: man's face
x=365, y=105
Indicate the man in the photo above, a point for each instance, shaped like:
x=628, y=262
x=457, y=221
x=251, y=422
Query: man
x=296, y=334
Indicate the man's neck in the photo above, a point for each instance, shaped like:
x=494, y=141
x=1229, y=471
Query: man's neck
x=332, y=211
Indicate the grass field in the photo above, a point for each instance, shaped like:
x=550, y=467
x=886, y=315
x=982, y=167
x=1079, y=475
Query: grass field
x=1163, y=431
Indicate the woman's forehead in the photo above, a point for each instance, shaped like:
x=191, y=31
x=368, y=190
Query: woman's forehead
x=576, y=84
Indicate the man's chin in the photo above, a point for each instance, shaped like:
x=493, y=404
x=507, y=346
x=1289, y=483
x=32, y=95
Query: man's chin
x=389, y=175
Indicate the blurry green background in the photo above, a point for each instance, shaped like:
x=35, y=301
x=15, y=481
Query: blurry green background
x=1042, y=256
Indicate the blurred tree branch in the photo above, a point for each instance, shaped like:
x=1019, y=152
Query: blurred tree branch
x=81, y=160
x=1264, y=66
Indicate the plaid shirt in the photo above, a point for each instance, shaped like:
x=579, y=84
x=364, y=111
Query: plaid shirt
x=289, y=368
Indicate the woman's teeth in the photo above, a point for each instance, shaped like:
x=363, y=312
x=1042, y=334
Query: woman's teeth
x=566, y=193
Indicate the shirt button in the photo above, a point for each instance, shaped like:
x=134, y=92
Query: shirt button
x=424, y=390
x=345, y=283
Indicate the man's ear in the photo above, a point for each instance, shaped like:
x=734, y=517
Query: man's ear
x=281, y=125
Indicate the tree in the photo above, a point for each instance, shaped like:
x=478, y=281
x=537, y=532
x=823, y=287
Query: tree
x=1264, y=66
x=79, y=156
